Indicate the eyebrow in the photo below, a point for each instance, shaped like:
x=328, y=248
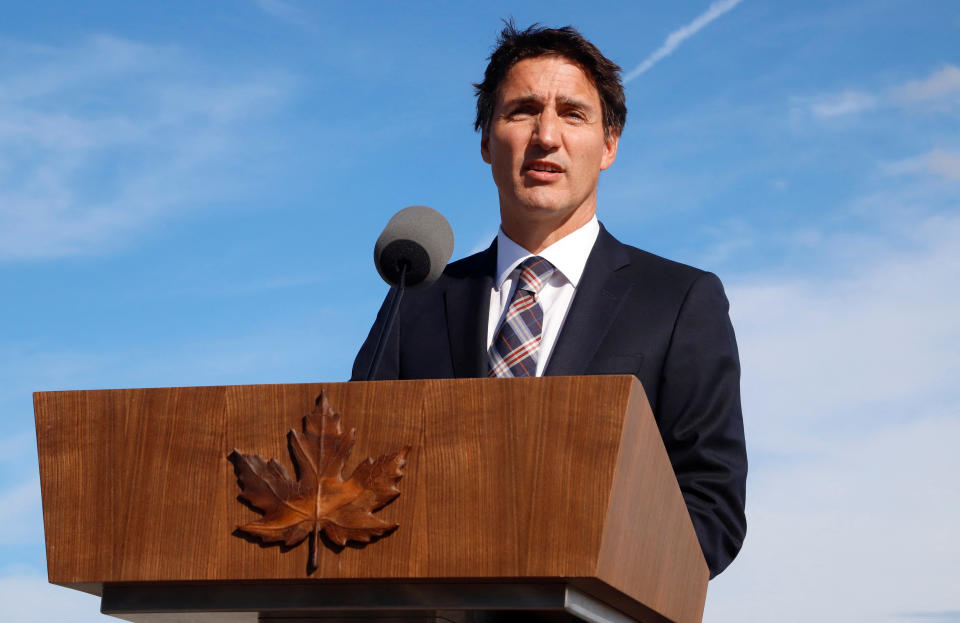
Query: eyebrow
x=574, y=103
x=562, y=100
x=526, y=99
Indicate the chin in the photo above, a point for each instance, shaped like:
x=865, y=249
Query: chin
x=536, y=202
x=542, y=210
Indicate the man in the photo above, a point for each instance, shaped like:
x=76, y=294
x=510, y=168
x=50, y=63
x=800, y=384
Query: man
x=557, y=295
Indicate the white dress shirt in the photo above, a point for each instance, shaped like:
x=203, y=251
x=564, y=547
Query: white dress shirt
x=569, y=256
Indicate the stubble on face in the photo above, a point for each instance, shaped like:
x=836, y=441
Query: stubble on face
x=546, y=146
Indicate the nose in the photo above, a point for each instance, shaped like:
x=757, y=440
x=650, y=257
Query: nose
x=547, y=131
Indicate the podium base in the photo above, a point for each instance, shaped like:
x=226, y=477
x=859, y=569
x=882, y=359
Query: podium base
x=388, y=602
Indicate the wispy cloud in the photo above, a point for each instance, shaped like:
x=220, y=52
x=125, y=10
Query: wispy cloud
x=16, y=446
x=948, y=616
x=29, y=598
x=287, y=12
x=866, y=525
x=938, y=92
x=841, y=104
x=851, y=413
x=22, y=514
x=939, y=162
x=675, y=38
x=884, y=333
x=100, y=139
x=942, y=83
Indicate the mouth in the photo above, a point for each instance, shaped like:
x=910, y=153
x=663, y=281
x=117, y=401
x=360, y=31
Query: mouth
x=542, y=171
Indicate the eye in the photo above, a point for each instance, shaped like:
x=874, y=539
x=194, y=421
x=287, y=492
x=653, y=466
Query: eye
x=523, y=110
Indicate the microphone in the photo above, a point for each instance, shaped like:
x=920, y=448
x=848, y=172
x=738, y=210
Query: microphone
x=417, y=238
x=412, y=252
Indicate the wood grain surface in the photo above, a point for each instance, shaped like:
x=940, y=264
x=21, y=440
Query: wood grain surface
x=560, y=477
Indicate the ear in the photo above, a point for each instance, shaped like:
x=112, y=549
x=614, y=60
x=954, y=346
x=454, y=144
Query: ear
x=609, y=150
x=485, y=146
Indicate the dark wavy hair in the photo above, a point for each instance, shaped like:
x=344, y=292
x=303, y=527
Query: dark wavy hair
x=515, y=45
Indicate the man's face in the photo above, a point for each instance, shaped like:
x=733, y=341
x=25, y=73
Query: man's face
x=546, y=145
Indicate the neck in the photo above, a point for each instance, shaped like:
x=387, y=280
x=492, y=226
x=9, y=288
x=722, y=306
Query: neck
x=535, y=236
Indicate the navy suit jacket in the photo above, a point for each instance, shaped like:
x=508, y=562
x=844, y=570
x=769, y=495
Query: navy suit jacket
x=633, y=313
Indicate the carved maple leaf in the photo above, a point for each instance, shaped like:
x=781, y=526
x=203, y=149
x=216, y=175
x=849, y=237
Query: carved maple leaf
x=319, y=499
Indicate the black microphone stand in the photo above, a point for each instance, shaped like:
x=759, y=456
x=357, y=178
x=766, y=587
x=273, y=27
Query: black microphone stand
x=388, y=324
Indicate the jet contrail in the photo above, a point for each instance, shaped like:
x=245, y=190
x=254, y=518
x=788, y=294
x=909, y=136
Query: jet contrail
x=678, y=36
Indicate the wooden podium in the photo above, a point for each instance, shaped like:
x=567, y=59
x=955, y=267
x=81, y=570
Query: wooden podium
x=522, y=499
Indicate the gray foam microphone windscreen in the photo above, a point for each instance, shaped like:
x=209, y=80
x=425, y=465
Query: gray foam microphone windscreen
x=419, y=237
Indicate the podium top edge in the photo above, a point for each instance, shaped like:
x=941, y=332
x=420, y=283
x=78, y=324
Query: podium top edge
x=547, y=379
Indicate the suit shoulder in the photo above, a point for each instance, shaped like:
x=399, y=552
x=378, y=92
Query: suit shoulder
x=662, y=273
x=656, y=262
x=679, y=285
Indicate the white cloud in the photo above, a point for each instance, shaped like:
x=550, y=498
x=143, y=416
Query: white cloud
x=856, y=347
x=945, y=164
x=101, y=139
x=35, y=72
x=938, y=91
x=841, y=104
x=29, y=598
x=675, y=38
x=864, y=533
x=286, y=12
x=939, y=162
x=852, y=412
x=943, y=83
x=16, y=446
x=22, y=514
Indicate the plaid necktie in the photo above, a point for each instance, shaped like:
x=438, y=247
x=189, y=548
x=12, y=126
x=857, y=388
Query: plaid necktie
x=515, y=349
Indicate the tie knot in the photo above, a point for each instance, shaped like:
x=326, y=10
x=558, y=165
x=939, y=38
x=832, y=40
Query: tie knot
x=534, y=273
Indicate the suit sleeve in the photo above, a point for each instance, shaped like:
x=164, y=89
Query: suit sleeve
x=702, y=423
x=390, y=363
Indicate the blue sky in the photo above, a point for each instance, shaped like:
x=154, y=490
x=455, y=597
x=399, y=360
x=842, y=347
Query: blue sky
x=190, y=192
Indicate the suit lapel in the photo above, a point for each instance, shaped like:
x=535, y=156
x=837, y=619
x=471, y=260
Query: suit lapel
x=595, y=305
x=467, y=303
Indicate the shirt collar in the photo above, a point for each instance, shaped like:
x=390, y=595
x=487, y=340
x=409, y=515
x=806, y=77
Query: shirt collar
x=569, y=254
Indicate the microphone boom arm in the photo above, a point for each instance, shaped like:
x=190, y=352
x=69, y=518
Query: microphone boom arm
x=397, y=294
